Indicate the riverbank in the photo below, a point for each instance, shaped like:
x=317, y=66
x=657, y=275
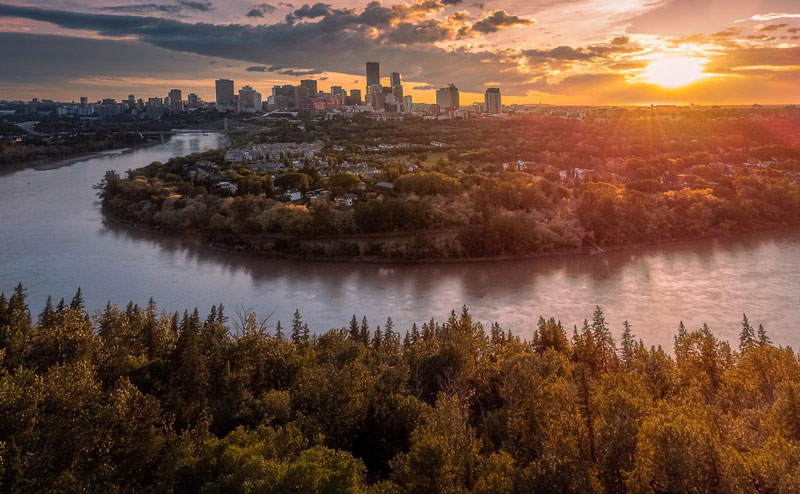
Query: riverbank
x=47, y=163
x=251, y=246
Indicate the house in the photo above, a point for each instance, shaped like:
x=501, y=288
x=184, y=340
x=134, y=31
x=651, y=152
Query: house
x=346, y=200
x=295, y=195
x=227, y=186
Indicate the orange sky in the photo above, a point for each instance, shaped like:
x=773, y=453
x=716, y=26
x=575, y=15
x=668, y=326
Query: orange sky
x=597, y=52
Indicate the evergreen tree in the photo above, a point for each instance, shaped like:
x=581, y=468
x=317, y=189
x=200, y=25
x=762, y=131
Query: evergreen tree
x=279, y=331
x=603, y=340
x=297, y=327
x=355, y=335
x=763, y=339
x=364, y=330
x=414, y=334
x=748, y=336
x=377, y=340
x=48, y=314
x=77, y=300
x=628, y=344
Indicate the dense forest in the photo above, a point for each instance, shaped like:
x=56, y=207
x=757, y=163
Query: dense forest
x=137, y=400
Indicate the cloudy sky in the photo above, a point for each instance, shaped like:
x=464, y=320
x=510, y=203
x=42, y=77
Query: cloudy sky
x=550, y=51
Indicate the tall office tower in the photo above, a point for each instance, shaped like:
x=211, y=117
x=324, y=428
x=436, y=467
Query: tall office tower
x=336, y=90
x=408, y=104
x=249, y=100
x=311, y=84
x=492, y=102
x=225, y=100
x=397, y=87
x=302, y=98
x=373, y=74
x=192, y=101
x=355, y=96
x=375, y=96
x=175, y=101
x=447, y=98
x=84, y=100
x=131, y=102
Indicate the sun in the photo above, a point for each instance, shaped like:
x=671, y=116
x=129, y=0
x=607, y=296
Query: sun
x=674, y=72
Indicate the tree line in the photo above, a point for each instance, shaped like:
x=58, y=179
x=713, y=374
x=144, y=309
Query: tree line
x=135, y=399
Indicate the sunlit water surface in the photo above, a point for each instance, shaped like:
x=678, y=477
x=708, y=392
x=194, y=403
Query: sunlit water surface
x=53, y=239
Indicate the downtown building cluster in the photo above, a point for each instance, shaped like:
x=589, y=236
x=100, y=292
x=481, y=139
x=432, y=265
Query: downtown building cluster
x=383, y=101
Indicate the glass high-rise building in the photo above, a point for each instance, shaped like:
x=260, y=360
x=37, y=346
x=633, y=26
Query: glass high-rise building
x=311, y=85
x=447, y=98
x=225, y=99
x=175, y=101
x=373, y=74
x=492, y=102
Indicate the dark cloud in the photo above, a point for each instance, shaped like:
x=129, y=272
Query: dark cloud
x=750, y=57
x=261, y=9
x=165, y=8
x=429, y=31
x=144, y=8
x=628, y=65
x=310, y=12
x=497, y=20
x=199, y=6
x=300, y=73
x=426, y=87
x=284, y=71
x=562, y=55
x=770, y=28
x=67, y=65
x=452, y=2
x=339, y=41
x=579, y=82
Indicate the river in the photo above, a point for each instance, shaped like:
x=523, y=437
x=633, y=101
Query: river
x=53, y=239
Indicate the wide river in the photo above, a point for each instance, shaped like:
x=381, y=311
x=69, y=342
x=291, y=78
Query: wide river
x=53, y=239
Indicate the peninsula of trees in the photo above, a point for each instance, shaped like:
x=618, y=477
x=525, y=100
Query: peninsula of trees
x=134, y=400
x=528, y=185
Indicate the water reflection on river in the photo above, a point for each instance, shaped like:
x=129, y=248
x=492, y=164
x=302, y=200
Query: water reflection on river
x=53, y=238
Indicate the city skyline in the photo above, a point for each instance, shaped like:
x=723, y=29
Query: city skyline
x=559, y=52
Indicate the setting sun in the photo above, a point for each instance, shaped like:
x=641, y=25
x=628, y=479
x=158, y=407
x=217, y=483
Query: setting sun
x=674, y=72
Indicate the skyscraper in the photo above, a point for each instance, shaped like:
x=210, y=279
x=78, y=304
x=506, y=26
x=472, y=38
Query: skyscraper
x=447, y=98
x=192, y=101
x=225, y=100
x=355, y=97
x=492, y=102
x=397, y=87
x=311, y=84
x=373, y=73
x=175, y=101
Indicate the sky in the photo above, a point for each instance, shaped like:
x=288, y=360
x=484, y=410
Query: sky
x=564, y=52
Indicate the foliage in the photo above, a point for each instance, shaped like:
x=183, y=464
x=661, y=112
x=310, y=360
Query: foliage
x=133, y=400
